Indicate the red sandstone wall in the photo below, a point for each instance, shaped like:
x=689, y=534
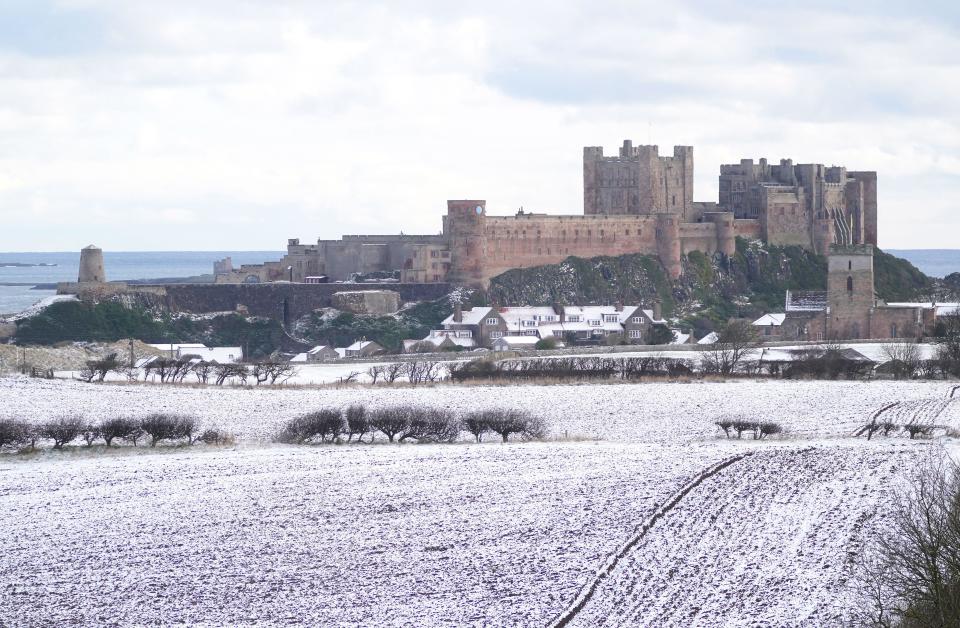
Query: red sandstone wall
x=524, y=241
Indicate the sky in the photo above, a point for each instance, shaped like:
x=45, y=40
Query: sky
x=234, y=125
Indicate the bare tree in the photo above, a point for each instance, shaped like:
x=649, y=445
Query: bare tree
x=390, y=421
x=430, y=425
x=374, y=372
x=904, y=359
x=223, y=372
x=118, y=427
x=506, y=422
x=202, y=370
x=327, y=424
x=736, y=343
x=911, y=576
x=393, y=371
x=162, y=426
x=477, y=423
x=358, y=422
x=100, y=368
x=280, y=372
x=62, y=430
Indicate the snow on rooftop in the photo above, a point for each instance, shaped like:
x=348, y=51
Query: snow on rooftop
x=770, y=319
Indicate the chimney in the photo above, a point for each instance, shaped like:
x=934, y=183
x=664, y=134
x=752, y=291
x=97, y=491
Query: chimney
x=457, y=312
x=657, y=310
x=560, y=311
x=618, y=306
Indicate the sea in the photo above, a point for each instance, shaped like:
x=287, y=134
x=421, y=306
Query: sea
x=18, y=284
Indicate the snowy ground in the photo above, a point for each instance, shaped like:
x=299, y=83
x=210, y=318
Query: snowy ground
x=655, y=412
x=490, y=534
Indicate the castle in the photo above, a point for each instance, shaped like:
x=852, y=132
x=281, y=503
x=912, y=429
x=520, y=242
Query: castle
x=634, y=202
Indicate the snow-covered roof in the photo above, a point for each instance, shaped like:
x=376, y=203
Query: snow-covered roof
x=517, y=341
x=942, y=309
x=680, y=338
x=770, y=319
x=220, y=355
x=319, y=348
x=806, y=301
x=176, y=346
x=300, y=357
x=359, y=345
x=473, y=316
x=709, y=339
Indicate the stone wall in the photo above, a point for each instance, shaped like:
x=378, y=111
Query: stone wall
x=284, y=302
x=374, y=302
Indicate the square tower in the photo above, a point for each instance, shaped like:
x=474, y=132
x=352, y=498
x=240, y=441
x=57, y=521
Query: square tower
x=850, y=292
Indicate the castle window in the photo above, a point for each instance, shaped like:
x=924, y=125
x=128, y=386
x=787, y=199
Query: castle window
x=893, y=330
x=850, y=265
x=849, y=284
x=627, y=232
x=674, y=199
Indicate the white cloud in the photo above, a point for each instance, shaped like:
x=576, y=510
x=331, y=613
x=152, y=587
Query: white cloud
x=234, y=125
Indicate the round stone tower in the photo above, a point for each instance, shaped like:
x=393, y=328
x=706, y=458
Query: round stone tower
x=668, y=243
x=91, y=265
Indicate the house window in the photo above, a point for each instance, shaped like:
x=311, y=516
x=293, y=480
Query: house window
x=496, y=334
x=529, y=323
x=574, y=318
x=491, y=322
x=594, y=323
x=610, y=318
x=558, y=333
x=634, y=333
x=636, y=320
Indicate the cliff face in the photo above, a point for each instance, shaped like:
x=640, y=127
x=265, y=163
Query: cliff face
x=747, y=284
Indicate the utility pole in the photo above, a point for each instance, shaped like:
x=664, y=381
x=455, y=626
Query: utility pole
x=133, y=359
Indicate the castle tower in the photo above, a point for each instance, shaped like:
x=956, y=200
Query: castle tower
x=668, y=244
x=465, y=228
x=91, y=266
x=637, y=181
x=726, y=231
x=850, y=291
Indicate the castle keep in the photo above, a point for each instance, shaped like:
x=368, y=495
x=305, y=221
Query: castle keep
x=634, y=202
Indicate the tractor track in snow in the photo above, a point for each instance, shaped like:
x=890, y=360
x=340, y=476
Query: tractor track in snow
x=610, y=564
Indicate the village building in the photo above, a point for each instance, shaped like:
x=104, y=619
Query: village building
x=568, y=324
x=364, y=349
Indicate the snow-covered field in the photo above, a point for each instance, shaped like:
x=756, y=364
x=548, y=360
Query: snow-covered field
x=655, y=412
x=465, y=534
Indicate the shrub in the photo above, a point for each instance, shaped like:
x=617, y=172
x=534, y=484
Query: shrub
x=477, y=424
x=63, y=430
x=506, y=422
x=13, y=433
x=390, y=421
x=119, y=427
x=430, y=425
x=740, y=426
x=90, y=433
x=327, y=424
x=214, y=436
x=915, y=429
x=768, y=429
x=358, y=422
x=168, y=427
x=725, y=424
x=546, y=344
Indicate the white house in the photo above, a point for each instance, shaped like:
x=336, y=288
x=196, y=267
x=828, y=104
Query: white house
x=220, y=355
